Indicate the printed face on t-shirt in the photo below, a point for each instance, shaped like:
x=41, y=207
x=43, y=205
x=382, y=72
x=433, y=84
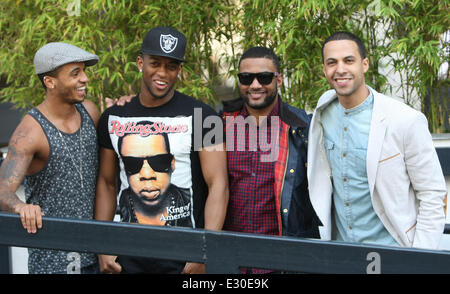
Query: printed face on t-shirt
x=148, y=166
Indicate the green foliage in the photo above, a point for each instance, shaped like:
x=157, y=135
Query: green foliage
x=114, y=31
x=401, y=36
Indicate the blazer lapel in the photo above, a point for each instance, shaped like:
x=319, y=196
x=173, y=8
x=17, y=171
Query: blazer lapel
x=378, y=127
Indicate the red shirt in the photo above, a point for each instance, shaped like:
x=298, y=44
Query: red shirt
x=252, y=207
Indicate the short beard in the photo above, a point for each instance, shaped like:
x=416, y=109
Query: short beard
x=270, y=98
x=73, y=99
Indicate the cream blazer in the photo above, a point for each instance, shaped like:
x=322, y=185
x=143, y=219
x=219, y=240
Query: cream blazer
x=405, y=178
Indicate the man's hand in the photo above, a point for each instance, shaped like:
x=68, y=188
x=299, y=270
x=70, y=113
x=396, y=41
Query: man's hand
x=121, y=101
x=30, y=215
x=108, y=264
x=194, y=268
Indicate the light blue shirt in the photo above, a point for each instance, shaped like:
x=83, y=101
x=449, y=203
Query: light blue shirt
x=346, y=134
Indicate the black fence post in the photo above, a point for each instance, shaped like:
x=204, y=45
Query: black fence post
x=221, y=254
x=4, y=260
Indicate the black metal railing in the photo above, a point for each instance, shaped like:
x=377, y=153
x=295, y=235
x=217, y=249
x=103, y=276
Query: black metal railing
x=443, y=154
x=222, y=252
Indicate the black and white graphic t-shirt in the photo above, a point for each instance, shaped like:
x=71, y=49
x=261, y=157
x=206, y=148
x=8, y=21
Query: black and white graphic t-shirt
x=161, y=182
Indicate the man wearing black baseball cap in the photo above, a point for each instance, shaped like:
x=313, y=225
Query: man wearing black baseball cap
x=54, y=152
x=172, y=43
x=202, y=172
x=163, y=47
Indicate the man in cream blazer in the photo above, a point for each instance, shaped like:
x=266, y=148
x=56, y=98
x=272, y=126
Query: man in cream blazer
x=377, y=179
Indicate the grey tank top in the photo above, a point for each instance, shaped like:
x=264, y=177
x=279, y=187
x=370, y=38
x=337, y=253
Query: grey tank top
x=58, y=189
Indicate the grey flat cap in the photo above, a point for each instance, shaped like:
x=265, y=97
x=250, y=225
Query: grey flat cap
x=53, y=55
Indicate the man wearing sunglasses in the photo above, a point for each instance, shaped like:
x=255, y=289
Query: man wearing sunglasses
x=268, y=194
x=147, y=170
x=151, y=198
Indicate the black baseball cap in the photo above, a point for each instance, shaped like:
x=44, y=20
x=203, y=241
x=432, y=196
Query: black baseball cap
x=164, y=41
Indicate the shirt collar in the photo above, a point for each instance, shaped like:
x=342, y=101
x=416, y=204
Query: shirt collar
x=367, y=103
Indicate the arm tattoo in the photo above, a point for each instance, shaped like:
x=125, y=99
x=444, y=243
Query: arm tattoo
x=12, y=171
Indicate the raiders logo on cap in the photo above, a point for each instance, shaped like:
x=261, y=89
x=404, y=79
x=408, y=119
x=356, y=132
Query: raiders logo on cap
x=168, y=43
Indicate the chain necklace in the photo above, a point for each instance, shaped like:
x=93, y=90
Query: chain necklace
x=79, y=170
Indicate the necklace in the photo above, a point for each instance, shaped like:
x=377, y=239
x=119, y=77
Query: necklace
x=80, y=169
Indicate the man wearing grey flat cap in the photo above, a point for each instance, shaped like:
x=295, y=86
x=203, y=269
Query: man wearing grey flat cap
x=54, y=152
x=201, y=172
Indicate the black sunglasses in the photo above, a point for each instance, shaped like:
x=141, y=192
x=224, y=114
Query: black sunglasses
x=264, y=78
x=159, y=163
